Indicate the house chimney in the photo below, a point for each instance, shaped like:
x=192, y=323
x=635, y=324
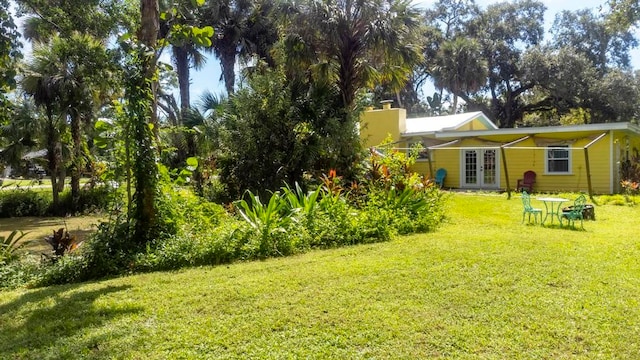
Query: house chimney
x=386, y=104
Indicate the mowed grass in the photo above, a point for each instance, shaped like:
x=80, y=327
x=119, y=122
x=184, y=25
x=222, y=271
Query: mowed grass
x=21, y=183
x=37, y=228
x=482, y=286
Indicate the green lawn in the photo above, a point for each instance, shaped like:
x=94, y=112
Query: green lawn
x=10, y=184
x=483, y=286
x=39, y=227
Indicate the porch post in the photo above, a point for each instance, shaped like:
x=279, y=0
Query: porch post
x=588, y=166
x=504, y=162
x=506, y=172
x=431, y=175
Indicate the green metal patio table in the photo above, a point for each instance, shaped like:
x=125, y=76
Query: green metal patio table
x=552, y=207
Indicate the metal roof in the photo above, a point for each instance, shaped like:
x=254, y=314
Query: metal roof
x=625, y=126
x=434, y=124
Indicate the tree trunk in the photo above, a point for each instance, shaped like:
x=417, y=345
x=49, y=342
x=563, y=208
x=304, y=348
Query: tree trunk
x=150, y=24
x=76, y=162
x=228, y=63
x=182, y=68
x=52, y=159
x=52, y=163
x=148, y=35
x=455, y=103
x=145, y=170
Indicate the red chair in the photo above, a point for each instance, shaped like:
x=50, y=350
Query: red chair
x=527, y=182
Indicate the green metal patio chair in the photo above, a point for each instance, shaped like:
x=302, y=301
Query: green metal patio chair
x=575, y=212
x=528, y=209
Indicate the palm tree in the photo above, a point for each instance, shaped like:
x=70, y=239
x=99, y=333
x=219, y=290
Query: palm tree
x=78, y=68
x=459, y=68
x=184, y=57
x=185, y=54
x=242, y=29
x=20, y=133
x=40, y=83
x=201, y=135
x=355, y=44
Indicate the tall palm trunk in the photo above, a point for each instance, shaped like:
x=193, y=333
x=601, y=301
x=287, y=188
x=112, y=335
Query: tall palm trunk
x=228, y=63
x=76, y=161
x=52, y=158
x=182, y=68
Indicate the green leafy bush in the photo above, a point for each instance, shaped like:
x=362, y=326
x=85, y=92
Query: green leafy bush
x=95, y=199
x=274, y=228
x=19, y=273
x=192, y=249
x=10, y=245
x=26, y=202
x=291, y=221
x=22, y=202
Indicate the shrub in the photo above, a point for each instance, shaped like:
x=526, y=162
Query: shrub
x=291, y=221
x=22, y=202
x=272, y=229
x=19, y=273
x=94, y=199
x=26, y=202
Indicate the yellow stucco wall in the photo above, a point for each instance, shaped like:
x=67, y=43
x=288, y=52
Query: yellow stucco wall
x=376, y=125
x=521, y=160
x=634, y=145
x=474, y=124
x=526, y=156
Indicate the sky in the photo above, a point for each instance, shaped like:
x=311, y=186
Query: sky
x=208, y=77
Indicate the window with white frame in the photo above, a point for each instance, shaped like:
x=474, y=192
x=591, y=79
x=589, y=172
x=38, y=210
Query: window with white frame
x=558, y=159
x=423, y=154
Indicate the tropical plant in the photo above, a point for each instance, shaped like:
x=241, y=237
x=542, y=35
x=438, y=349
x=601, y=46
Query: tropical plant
x=299, y=200
x=278, y=129
x=178, y=20
x=100, y=19
x=270, y=221
x=459, y=68
x=243, y=30
x=303, y=205
x=9, y=246
x=40, y=83
x=9, y=57
x=353, y=44
x=21, y=133
x=62, y=242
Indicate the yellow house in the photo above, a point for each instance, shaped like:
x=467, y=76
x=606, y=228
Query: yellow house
x=478, y=155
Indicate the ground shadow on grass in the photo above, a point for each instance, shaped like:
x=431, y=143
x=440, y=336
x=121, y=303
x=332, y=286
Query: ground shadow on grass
x=58, y=322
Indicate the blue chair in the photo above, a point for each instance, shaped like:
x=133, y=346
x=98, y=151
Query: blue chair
x=528, y=209
x=440, y=175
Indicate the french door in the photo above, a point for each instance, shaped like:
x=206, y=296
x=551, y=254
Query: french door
x=480, y=169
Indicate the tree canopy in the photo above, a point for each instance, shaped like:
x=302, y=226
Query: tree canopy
x=298, y=73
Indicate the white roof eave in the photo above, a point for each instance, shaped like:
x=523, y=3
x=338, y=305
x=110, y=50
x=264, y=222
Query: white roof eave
x=537, y=130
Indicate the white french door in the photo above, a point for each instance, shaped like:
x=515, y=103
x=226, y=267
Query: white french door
x=480, y=169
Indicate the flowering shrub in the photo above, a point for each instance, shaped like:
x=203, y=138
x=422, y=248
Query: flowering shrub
x=630, y=187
